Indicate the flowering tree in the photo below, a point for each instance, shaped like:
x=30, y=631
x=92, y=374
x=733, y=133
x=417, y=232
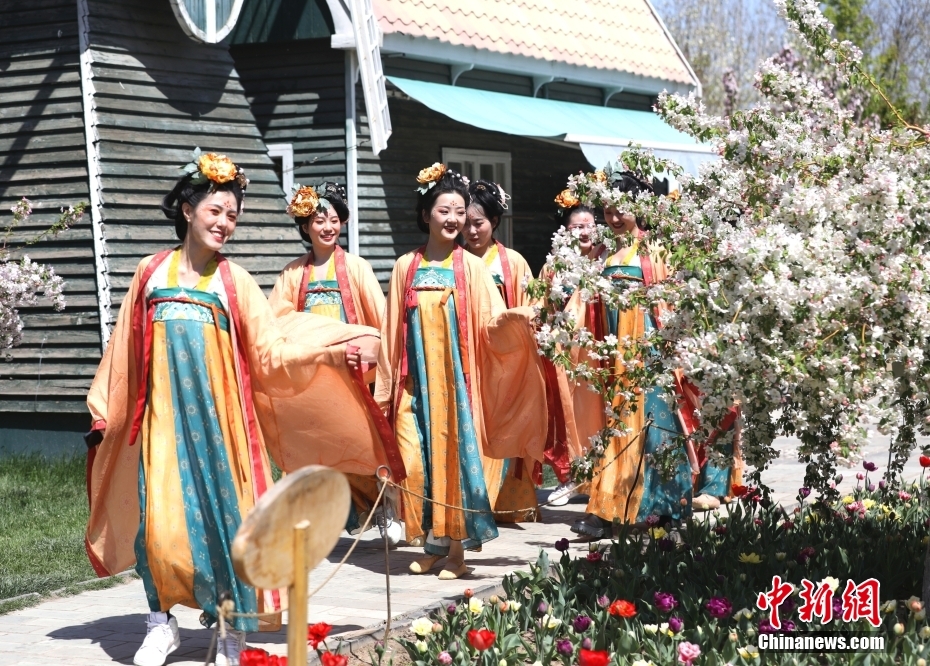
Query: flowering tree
x=799, y=269
x=22, y=281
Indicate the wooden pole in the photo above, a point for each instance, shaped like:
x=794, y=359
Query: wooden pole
x=297, y=599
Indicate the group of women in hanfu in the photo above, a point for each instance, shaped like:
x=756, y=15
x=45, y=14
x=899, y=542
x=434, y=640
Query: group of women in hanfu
x=205, y=381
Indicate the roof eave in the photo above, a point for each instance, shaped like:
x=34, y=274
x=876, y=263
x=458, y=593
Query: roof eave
x=434, y=50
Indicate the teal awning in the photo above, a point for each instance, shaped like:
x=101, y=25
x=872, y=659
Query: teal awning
x=601, y=132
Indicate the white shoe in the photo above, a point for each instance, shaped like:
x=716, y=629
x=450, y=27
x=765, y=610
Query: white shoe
x=228, y=649
x=389, y=527
x=161, y=640
x=563, y=493
x=705, y=502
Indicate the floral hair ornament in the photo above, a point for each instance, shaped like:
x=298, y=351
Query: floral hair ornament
x=566, y=199
x=305, y=202
x=215, y=168
x=429, y=176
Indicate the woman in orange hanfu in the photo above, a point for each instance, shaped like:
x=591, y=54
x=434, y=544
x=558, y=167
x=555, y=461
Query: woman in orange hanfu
x=177, y=454
x=459, y=375
x=568, y=400
x=330, y=282
x=630, y=489
x=516, y=499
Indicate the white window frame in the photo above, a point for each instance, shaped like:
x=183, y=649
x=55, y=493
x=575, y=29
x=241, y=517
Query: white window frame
x=286, y=152
x=505, y=231
x=214, y=31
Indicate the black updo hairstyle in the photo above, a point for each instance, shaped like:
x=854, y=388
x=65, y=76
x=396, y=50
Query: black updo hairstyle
x=487, y=195
x=632, y=184
x=336, y=195
x=450, y=182
x=564, y=215
x=186, y=192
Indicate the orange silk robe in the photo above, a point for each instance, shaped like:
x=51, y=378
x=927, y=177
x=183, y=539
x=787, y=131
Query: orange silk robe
x=271, y=372
x=507, y=400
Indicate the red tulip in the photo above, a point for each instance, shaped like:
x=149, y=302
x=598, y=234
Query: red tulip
x=317, y=633
x=330, y=659
x=593, y=657
x=258, y=657
x=738, y=490
x=925, y=461
x=622, y=608
x=480, y=639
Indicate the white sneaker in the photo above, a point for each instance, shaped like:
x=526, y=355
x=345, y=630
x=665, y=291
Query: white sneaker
x=228, y=649
x=161, y=640
x=389, y=527
x=563, y=493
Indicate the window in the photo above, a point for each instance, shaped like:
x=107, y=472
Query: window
x=485, y=165
x=282, y=154
x=207, y=21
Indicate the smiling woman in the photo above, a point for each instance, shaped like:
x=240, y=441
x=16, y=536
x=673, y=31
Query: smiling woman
x=176, y=405
x=461, y=379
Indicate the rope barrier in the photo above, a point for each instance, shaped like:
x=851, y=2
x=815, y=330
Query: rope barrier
x=225, y=610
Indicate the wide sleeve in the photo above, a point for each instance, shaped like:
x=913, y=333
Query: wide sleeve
x=520, y=273
x=512, y=382
x=391, y=334
x=286, y=288
x=112, y=374
x=371, y=297
x=113, y=465
x=280, y=366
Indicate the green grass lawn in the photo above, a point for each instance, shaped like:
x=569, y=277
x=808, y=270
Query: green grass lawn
x=43, y=512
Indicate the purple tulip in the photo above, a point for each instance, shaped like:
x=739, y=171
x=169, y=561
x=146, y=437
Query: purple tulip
x=871, y=487
x=788, y=605
x=587, y=643
x=543, y=608
x=450, y=609
x=804, y=491
x=882, y=485
x=652, y=520
x=869, y=466
x=561, y=545
x=666, y=545
x=665, y=601
x=719, y=607
x=564, y=647
x=837, y=607
x=765, y=627
x=787, y=626
x=698, y=557
x=721, y=578
x=581, y=623
x=675, y=624
x=603, y=601
x=444, y=658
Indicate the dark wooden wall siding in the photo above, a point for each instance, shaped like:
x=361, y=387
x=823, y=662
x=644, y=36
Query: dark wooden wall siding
x=418, y=70
x=387, y=183
x=159, y=95
x=297, y=93
x=42, y=157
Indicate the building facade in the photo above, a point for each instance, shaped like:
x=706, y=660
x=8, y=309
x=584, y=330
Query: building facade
x=104, y=100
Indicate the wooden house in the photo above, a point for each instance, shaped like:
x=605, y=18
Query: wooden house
x=104, y=100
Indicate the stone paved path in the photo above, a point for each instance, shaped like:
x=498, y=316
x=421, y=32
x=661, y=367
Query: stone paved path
x=106, y=626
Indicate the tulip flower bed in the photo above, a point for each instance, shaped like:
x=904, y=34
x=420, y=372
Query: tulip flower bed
x=689, y=595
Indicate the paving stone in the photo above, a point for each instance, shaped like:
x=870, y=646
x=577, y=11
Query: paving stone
x=106, y=626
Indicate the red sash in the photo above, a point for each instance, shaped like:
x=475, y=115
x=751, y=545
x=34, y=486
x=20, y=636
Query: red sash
x=509, y=291
x=142, y=344
x=342, y=279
